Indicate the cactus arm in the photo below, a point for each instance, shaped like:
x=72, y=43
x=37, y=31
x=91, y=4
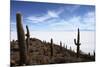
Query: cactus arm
x=28, y=43
x=75, y=41
x=28, y=33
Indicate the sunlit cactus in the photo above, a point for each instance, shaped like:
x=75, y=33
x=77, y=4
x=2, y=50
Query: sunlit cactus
x=77, y=43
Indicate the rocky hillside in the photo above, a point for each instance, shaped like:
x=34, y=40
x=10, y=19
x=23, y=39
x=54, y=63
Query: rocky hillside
x=39, y=52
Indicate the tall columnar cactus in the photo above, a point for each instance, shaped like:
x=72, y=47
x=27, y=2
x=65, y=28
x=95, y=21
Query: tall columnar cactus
x=70, y=48
x=77, y=43
x=28, y=38
x=66, y=46
x=21, y=40
x=60, y=45
x=89, y=54
x=94, y=53
x=51, y=46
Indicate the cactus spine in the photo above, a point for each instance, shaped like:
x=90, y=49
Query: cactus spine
x=21, y=40
x=51, y=46
x=78, y=43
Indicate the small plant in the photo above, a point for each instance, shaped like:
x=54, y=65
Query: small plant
x=77, y=43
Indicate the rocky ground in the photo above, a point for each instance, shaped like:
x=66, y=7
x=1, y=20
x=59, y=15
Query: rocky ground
x=39, y=53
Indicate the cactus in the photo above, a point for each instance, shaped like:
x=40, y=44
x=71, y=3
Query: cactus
x=12, y=44
x=66, y=46
x=51, y=46
x=94, y=53
x=70, y=48
x=44, y=42
x=29, y=59
x=28, y=38
x=78, y=43
x=21, y=40
x=60, y=45
x=89, y=54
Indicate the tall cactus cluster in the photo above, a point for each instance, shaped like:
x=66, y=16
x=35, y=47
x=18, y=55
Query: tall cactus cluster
x=51, y=46
x=77, y=43
x=21, y=40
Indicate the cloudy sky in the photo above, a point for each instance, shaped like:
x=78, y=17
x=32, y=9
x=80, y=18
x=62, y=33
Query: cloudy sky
x=53, y=17
x=57, y=21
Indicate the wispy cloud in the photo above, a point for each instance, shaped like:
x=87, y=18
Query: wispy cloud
x=55, y=23
x=60, y=17
x=40, y=19
x=85, y=22
x=72, y=8
x=89, y=18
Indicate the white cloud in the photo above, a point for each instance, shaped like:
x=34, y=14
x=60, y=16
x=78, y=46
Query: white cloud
x=89, y=18
x=50, y=14
x=84, y=22
x=35, y=19
x=89, y=21
x=70, y=24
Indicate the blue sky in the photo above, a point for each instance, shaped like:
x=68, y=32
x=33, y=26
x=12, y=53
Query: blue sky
x=53, y=17
x=57, y=21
